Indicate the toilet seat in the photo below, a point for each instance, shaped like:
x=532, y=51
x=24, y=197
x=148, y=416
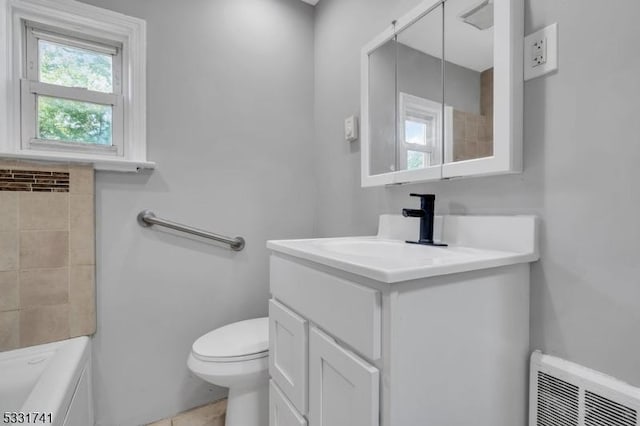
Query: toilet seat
x=230, y=358
x=240, y=341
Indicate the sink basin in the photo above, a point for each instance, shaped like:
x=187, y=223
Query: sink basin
x=384, y=249
x=475, y=242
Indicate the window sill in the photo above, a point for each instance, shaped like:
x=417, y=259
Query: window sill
x=99, y=162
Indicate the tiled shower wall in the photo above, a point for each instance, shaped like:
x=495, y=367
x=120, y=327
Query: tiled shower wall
x=473, y=133
x=486, y=100
x=47, y=253
x=470, y=136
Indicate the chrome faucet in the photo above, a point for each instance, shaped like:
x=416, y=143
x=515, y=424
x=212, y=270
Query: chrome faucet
x=425, y=213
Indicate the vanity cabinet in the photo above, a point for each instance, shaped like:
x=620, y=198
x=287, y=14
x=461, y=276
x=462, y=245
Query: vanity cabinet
x=347, y=350
x=288, y=348
x=343, y=388
x=321, y=379
x=281, y=411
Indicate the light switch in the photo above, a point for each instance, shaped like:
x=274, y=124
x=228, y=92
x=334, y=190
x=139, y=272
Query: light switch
x=351, y=128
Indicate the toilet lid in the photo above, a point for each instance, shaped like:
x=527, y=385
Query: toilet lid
x=238, y=341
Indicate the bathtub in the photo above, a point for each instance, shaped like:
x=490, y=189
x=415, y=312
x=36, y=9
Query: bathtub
x=53, y=380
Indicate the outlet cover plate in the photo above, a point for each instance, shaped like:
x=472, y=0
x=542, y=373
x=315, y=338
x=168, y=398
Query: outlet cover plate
x=533, y=65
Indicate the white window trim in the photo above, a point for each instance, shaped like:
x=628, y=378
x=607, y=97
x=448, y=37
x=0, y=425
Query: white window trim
x=74, y=17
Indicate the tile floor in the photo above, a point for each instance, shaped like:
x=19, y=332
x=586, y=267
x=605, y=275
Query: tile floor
x=212, y=414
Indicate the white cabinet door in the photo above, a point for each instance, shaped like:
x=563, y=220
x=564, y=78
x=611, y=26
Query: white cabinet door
x=331, y=303
x=343, y=389
x=288, y=353
x=281, y=411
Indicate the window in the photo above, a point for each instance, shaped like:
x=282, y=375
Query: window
x=71, y=98
x=76, y=75
x=418, y=136
x=420, y=130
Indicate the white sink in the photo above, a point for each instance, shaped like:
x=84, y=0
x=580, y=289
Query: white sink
x=383, y=249
x=475, y=242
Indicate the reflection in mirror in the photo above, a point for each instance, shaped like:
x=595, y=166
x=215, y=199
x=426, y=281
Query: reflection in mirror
x=405, y=98
x=382, y=108
x=468, y=79
x=419, y=93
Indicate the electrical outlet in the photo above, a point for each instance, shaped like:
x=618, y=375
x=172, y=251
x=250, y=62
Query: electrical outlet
x=541, y=52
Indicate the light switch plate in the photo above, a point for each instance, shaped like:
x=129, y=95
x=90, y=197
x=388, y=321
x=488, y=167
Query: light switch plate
x=541, y=52
x=351, y=129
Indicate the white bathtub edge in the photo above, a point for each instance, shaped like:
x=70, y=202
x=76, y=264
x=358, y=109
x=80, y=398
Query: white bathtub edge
x=55, y=388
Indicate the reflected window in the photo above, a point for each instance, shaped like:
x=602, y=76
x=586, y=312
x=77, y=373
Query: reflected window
x=415, y=132
x=416, y=160
x=419, y=132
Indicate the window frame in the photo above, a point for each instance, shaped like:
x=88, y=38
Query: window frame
x=73, y=18
x=32, y=88
x=417, y=109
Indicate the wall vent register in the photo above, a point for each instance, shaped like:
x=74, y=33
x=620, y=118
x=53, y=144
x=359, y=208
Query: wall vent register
x=566, y=394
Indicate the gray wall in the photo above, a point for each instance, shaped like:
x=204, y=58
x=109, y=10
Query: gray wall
x=581, y=170
x=230, y=107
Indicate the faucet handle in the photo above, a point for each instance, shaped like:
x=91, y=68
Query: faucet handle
x=424, y=196
x=427, y=201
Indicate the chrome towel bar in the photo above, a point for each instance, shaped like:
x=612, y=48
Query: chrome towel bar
x=147, y=218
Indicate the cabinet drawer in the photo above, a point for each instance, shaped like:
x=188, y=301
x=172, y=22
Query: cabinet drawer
x=281, y=411
x=343, y=389
x=349, y=311
x=288, y=350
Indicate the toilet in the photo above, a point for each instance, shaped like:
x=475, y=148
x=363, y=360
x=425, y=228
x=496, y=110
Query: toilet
x=236, y=356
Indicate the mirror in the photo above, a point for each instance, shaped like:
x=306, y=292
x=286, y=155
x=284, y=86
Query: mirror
x=419, y=93
x=426, y=119
x=382, y=111
x=468, y=38
x=405, y=99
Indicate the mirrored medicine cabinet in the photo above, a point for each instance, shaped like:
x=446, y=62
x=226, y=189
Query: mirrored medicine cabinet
x=442, y=93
